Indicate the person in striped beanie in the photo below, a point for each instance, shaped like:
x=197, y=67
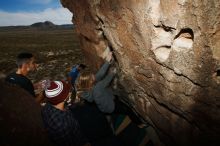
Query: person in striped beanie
x=63, y=129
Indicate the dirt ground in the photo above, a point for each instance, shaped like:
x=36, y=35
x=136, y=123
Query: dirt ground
x=56, y=51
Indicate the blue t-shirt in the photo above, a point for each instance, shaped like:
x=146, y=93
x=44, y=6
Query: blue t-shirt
x=74, y=73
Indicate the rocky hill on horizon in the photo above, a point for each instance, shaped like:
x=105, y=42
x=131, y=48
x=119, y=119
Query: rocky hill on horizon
x=40, y=25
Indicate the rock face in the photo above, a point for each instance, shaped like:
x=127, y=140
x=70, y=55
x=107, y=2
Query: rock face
x=168, y=59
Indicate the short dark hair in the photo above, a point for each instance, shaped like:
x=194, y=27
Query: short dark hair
x=83, y=66
x=23, y=58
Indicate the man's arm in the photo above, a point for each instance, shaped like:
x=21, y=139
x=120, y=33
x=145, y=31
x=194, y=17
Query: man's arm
x=102, y=71
x=40, y=97
x=107, y=80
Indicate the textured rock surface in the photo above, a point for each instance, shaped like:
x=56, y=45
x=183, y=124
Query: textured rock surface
x=168, y=58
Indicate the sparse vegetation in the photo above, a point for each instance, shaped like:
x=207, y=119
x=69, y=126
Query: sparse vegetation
x=56, y=50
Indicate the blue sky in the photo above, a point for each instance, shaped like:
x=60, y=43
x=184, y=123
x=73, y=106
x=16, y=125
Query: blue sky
x=26, y=12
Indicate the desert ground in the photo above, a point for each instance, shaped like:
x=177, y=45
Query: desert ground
x=56, y=50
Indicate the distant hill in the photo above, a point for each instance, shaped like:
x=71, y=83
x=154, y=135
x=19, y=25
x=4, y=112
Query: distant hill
x=40, y=25
x=43, y=24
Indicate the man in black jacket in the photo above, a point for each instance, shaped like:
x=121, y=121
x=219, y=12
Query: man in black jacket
x=25, y=63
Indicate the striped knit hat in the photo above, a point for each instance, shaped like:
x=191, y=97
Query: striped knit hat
x=57, y=92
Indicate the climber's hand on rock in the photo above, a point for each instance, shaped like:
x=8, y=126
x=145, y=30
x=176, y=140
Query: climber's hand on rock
x=109, y=57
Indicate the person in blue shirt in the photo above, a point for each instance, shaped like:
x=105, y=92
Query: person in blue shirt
x=72, y=76
x=74, y=73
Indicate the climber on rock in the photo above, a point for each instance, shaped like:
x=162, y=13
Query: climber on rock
x=96, y=88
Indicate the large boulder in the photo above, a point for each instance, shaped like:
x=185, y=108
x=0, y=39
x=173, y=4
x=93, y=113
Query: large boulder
x=168, y=59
